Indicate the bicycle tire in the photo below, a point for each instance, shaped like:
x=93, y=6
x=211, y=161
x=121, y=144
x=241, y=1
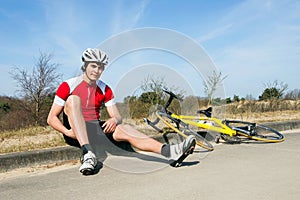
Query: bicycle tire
x=184, y=130
x=255, y=131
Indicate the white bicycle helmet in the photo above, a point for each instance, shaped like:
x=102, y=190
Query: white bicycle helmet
x=94, y=55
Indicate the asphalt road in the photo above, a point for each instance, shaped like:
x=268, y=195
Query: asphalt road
x=244, y=171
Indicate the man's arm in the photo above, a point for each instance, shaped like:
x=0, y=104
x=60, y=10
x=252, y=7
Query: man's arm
x=55, y=122
x=115, y=119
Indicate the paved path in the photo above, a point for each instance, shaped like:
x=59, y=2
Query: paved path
x=246, y=171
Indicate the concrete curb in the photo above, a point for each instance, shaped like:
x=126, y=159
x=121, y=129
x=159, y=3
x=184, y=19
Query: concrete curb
x=12, y=161
x=282, y=126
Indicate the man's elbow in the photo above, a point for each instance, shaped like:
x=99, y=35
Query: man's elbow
x=49, y=120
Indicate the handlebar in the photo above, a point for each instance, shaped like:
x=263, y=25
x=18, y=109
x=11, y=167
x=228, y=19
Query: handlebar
x=206, y=112
x=171, y=97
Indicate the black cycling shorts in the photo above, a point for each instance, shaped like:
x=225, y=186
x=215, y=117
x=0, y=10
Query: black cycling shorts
x=74, y=142
x=93, y=126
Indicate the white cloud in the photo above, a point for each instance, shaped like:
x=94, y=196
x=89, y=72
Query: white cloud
x=126, y=16
x=214, y=33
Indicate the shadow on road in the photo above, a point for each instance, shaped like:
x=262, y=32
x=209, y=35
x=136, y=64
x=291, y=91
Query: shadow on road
x=123, y=153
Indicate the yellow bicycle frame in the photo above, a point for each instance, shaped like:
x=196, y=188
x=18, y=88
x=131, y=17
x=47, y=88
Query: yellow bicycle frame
x=203, y=122
x=210, y=148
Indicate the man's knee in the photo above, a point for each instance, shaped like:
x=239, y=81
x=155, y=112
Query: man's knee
x=120, y=133
x=73, y=102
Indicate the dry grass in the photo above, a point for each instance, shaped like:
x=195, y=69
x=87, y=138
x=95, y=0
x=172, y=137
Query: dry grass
x=288, y=115
x=29, y=139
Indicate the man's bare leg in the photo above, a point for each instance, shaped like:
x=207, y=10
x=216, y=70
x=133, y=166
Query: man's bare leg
x=75, y=118
x=137, y=139
x=175, y=153
x=77, y=123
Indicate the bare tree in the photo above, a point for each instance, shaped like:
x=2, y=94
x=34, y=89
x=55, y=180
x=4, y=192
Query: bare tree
x=293, y=95
x=211, y=84
x=36, y=86
x=156, y=85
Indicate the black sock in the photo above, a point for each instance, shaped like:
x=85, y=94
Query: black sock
x=165, y=150
x=85, y=148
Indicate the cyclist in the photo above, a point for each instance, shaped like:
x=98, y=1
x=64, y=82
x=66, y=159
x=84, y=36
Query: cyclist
x=80, y=99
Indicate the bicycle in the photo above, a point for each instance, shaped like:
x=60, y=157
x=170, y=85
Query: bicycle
x=231, y=131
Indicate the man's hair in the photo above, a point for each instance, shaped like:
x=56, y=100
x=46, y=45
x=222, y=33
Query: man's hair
x=83, y=67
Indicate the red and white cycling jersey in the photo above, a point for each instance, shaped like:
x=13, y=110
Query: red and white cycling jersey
x=92, y=96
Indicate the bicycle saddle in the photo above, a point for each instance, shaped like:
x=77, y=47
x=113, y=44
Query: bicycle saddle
x=206, y=112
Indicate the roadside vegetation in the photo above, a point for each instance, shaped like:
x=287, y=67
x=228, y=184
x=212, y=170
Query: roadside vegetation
x=30, y=138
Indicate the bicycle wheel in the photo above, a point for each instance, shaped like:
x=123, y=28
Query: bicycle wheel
x=183, y=130
x=255, y=131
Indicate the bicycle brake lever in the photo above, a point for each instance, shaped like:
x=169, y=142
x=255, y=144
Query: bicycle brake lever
x=152, y=124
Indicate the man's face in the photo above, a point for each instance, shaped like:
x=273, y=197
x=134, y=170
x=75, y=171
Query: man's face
x=94, y=70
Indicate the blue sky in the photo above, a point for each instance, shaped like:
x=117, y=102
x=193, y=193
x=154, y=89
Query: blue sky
x=253, y=42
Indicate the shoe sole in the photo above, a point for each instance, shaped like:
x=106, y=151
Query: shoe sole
x=87, y=171
x=190, y=150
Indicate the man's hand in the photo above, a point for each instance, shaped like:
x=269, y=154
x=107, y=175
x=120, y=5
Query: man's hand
x=70, y=134
x=110, y=125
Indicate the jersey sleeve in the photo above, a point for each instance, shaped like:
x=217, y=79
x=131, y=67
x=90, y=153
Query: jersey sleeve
x=109, y=96
x=62, y=94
